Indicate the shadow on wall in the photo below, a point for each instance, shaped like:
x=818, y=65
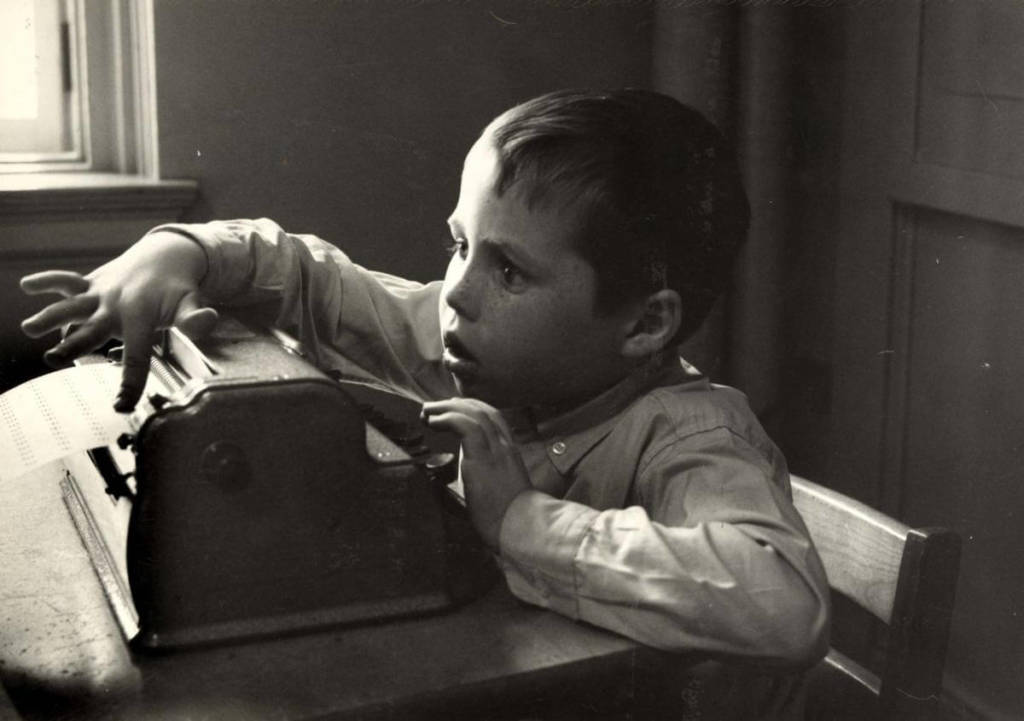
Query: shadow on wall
x=351, y=120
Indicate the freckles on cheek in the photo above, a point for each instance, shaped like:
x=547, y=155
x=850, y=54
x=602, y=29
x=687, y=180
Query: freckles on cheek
x=538, y=321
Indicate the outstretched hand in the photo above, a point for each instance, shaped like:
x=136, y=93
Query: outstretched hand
x=492, y=469
x=152, y=286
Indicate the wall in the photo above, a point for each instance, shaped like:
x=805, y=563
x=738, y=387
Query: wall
x=801, y=419
x=350, y=120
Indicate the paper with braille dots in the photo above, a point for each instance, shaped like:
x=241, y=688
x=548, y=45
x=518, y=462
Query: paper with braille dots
x=57, y=414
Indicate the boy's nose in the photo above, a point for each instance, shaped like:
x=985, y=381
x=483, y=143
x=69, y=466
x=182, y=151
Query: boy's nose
x=459, y=293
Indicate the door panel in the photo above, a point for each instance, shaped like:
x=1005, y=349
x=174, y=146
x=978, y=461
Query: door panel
x=928, y=358
x=963, y=431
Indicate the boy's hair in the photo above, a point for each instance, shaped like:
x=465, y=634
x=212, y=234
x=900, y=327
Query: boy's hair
x=656, y=187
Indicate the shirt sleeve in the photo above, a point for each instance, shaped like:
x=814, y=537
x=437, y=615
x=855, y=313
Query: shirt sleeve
x=370, y=326
x=716, y=559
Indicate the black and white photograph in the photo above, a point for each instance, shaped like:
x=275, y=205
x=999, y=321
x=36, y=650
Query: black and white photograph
x=511, y=360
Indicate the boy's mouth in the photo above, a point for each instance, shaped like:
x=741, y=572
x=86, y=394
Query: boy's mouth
x=457, y=359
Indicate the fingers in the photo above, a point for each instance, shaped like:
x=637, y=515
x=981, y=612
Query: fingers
x=138, y=346
x=476, y=409
x=75, y=309
x=82, y=339
x=479, y=425
x=193, y=319
x=65, y=282
x=475, y=441
x=130, y=297
x=491, y=467
x=137, y=332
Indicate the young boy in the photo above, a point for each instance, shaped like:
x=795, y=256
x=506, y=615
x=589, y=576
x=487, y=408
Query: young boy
x=592, y=234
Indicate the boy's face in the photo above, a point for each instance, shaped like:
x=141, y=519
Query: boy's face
x=517, y=308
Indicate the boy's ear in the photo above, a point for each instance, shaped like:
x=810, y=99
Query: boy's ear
x=654, y=325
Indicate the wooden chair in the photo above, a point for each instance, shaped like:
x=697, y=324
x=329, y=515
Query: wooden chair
x=906, y=577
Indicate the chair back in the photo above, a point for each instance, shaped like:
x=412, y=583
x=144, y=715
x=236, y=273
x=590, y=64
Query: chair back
x=905, y=577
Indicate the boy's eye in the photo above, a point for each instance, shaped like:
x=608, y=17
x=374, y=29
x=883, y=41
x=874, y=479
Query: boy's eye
x=456, y=246
x=511, y=275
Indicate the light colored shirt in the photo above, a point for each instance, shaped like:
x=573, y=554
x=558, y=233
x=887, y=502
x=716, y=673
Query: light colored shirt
x=661, y=510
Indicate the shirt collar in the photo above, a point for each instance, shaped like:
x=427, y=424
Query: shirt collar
x=569, y=436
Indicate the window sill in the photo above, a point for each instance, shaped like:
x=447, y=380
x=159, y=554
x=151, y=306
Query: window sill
x=91, y=193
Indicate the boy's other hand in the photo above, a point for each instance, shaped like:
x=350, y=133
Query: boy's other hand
x=152, y=285
x=492, y=470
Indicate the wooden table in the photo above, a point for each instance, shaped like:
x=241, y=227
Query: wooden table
x=62, y=654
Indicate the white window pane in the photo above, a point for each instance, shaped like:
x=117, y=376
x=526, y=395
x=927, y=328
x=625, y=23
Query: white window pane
x=34, y=102
x=19, y=71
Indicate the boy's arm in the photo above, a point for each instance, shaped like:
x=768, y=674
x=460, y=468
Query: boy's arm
x=717, y=560
x=371, y=325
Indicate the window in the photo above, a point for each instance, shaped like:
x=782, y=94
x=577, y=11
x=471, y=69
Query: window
x=36, y=99
x=76, y=86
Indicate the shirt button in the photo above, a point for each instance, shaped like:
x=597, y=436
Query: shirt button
x=558, y=448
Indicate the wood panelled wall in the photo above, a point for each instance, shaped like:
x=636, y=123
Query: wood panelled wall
x=928, y=352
